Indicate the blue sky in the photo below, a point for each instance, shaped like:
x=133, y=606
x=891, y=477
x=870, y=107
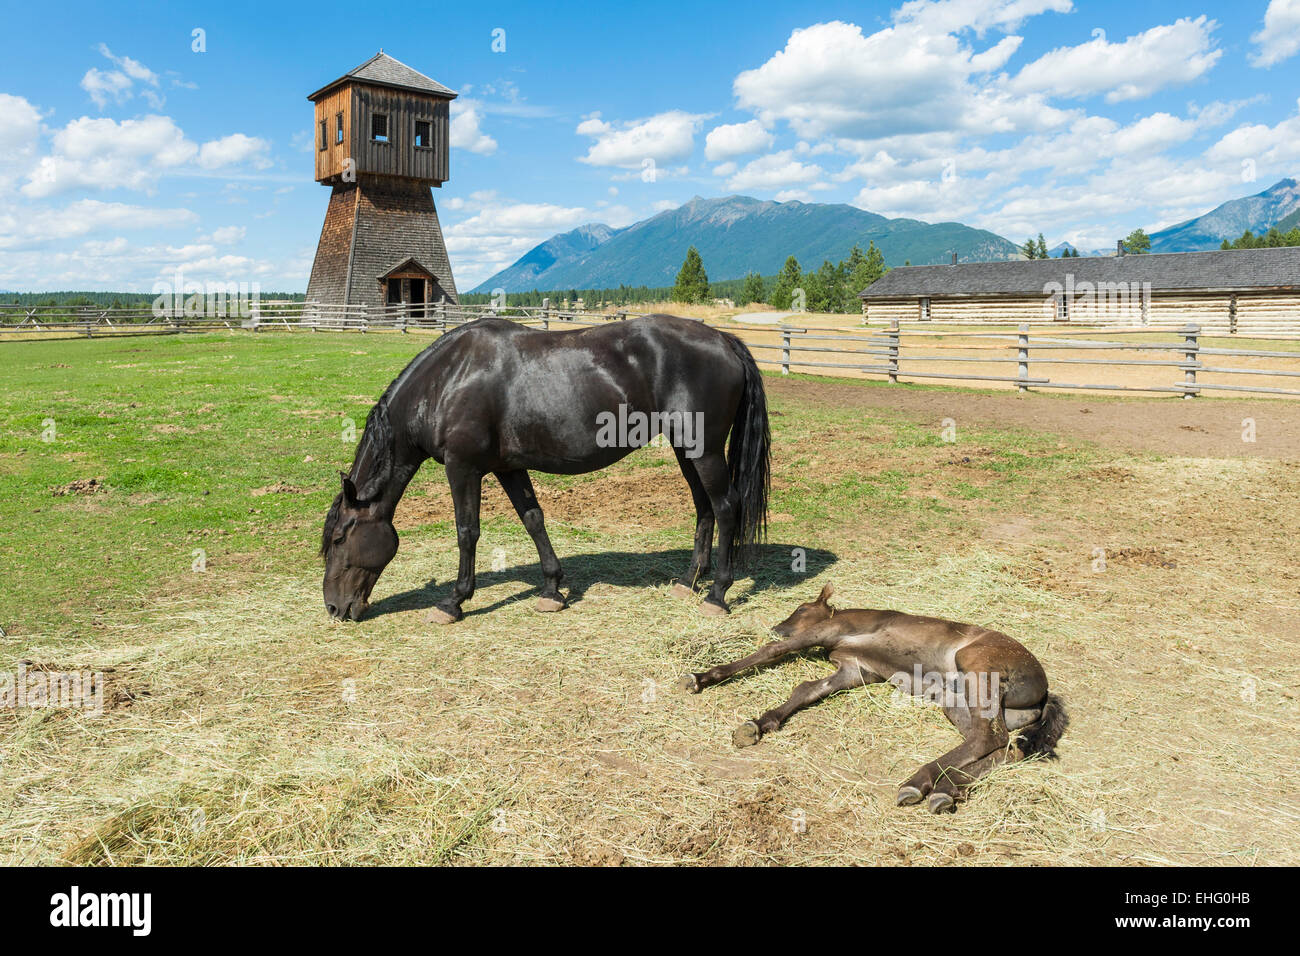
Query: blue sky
x=130, y=155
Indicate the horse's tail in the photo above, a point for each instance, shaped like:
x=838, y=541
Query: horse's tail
x=749, y=458
x=1041, y=736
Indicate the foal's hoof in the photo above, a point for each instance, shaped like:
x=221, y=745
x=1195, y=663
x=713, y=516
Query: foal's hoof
x=688, y=684
x=941, y=803
x=437, y=615
x=550, y=605
x=908, y=796
x=680, y=590
x=747, y=734
x=710, y=609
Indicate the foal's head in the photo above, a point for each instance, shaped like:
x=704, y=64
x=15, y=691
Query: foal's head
x=357, y=544
x=807, y=615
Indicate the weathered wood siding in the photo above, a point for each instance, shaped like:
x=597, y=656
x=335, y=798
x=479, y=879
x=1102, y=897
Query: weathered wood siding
x=399, y=156
x=329, y=161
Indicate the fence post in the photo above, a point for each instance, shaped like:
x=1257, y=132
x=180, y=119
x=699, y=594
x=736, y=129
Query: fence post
x=1191, y=354
x=785, y=350
x=894, y=335
x=1022, y=356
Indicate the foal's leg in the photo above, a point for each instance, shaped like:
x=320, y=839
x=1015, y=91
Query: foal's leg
x=694, y=683
x=466, y=492
x=519, y=487
x=806, y=694
x=941, y=778
x=702, y=553
x=716, y=479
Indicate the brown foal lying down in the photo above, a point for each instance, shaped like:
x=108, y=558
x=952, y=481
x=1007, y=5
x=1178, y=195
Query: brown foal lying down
x=987, y=683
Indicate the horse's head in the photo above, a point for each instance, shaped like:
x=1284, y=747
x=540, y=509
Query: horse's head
x=357, y=544
x=807, y=615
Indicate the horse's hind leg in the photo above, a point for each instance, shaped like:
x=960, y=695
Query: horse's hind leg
x=805, y=695
x=716, y=480
x=941, y=780
x=519, y=487
x=701, y=555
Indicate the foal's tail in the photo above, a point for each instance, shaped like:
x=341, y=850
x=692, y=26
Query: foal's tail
x=1041, y=736
x=749, y=458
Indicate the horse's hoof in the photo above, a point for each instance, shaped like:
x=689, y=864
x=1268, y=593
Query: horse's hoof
x=437, y=615
x=941, y=803
x=689, y=684
x=908, y=796
x=747, y=734
x=680, y=590
x=710, y=609
x=550, y=605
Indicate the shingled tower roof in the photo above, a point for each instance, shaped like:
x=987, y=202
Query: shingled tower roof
x=383, y=70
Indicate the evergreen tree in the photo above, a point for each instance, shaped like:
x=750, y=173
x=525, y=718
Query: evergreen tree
x=1138, y=243
x=1042, y=247
x=692, y=281
x=752, y=290
x=789, y=279
x=866, y=272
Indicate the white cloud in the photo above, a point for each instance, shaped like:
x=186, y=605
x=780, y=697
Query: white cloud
x=232, y=149
x=119, y=85
x=466, y=133
x=736, y=139
x=911, y=78
x=23, y=228
x=104, y=154
x=1163, y=56
x=1279, y=38
x=774, y=171
x=228, y=234
x=20, y=131
x=662, y=138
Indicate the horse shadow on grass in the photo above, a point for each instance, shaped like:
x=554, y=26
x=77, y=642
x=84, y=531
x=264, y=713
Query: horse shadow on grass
x=774, y=567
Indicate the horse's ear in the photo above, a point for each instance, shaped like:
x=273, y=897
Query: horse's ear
x=349, y=491
x=825, y=596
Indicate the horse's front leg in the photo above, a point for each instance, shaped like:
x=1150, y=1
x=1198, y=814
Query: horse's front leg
x=519, y=487
x=466, y=491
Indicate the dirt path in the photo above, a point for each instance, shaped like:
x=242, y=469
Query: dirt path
x=1199, y=428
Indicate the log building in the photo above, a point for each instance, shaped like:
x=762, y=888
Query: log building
x=1231, y=290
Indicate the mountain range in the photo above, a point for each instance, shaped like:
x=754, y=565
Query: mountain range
x=738, y=234
x=1274, y=206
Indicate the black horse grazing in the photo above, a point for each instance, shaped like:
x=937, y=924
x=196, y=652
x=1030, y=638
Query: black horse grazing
x=494, y=396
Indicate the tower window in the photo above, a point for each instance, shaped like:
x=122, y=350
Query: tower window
x=379, y=127
x=422, y=141
x=324, y=141
x=338, y=128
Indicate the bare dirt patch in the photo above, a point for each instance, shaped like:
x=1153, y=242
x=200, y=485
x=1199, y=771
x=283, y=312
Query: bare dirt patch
x=81, y=486
x=1200, y=428
x=279, y=488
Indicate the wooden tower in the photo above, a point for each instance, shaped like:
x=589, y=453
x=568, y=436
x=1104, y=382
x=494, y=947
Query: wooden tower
x=382, y=140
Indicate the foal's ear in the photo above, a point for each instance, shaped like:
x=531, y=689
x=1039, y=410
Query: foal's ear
x=825, y=596
x=349, y=491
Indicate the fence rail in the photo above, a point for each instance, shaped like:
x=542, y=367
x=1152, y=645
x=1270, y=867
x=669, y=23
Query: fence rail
x=897, y=354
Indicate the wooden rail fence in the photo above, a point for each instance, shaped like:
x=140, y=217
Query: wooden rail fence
x=897, y=354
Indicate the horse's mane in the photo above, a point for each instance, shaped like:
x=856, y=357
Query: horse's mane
x=377, y=440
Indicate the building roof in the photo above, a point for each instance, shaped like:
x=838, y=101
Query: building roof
x=383, y=70
x=1275, y=268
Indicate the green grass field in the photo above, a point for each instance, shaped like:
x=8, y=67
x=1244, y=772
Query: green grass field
x=241, y=725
